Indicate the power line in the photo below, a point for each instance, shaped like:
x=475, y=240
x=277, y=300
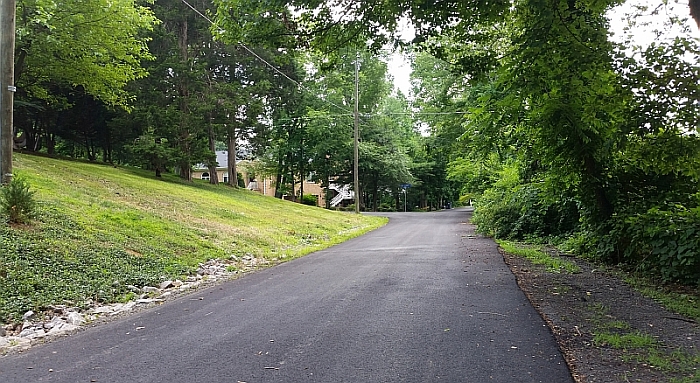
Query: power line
x=305, y=88
x=277, y=70
x=425, y=113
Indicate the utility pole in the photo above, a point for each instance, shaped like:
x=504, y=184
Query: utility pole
x=357, y=134
x=7, y=88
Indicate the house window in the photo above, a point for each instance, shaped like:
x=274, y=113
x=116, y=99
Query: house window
x=225, y=177
x=205, y=176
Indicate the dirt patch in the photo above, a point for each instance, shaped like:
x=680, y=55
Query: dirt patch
x=607, y=331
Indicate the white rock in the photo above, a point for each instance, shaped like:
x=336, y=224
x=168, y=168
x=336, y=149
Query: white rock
x=124, y=308
x=102, y=310
x=16, y=342
x=75, y=318
x=133, y=288
x=28, y=333
x=4, y=342
x=53, y=323
x=62, y=329
x=177, y=283
x=117, y=306
x=149, y=289
x=166, y=294
x=40, y=333
x=148, y=300
x=165, y=284
x=28, y=315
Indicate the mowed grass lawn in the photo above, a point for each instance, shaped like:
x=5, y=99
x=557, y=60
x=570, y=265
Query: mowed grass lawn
x=101, y=228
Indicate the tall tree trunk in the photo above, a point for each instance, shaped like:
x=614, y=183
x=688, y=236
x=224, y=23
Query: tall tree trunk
x=50, y=143
x=213, y=175
x=184, y=136
x=328, y=191
x=278, y=178
x=232, y=168
x=592, y=176
x=302, y=178
x=375, y=197
x=186, y=172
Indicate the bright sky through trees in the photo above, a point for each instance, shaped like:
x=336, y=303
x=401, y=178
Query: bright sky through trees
x=400, y=67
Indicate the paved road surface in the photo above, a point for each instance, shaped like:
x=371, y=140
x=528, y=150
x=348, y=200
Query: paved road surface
x=420, y=300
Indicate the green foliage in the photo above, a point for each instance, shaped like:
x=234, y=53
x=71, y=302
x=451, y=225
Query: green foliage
x=664, y=240
x=514, y=210
x=606, y=142
x=623, y=341
x=386, y=207
x=17, y=201
x=152, y=152
x=637, y=346
x=539, y=257
x=684, y=301
x=310, y=200
x=95, y=45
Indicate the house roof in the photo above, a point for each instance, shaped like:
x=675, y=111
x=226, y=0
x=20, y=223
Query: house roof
x=221, y=160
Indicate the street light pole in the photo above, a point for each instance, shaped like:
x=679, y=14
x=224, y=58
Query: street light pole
x=7, y=88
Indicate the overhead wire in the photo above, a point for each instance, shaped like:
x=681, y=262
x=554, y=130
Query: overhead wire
x=257, y=56
x=305, y=88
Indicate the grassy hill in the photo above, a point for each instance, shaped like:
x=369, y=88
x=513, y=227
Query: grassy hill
x=101, y=228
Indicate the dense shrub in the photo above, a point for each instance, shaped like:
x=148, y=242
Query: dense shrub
x=386, y=207
x=310, y=200
x=17, y=201
x=520, y=211
x=664, y=241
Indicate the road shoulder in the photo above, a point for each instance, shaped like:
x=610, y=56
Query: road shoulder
x=607, y=331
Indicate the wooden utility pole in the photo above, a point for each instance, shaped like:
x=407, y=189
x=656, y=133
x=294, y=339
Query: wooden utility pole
x=7, y=86
x=356, y=170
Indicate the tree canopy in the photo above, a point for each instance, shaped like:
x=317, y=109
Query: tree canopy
x=526, y=107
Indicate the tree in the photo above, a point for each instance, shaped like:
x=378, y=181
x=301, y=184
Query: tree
x=385, y=126
x=90, y=43
x=71, y=49
x=388, y=141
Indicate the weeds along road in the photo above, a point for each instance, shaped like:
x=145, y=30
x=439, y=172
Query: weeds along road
x=420, y=300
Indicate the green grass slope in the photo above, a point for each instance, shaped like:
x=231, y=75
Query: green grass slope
x=102, y=228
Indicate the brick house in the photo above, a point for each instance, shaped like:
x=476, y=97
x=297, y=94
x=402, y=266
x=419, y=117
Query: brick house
x=265, y=186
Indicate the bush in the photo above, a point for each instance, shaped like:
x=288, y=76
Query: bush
x=386, y=207
x=512, y=210
x=663, y=240
x=17, y=201
x=310, y=200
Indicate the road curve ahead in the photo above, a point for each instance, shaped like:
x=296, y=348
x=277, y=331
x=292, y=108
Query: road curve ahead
x=420, y=300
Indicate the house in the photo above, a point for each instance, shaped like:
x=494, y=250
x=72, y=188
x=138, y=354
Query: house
x=266, y=185
x=201, y=171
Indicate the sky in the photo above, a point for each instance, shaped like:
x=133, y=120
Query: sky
x=400, y=67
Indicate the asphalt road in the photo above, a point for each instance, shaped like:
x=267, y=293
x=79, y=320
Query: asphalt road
x=420, y=300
